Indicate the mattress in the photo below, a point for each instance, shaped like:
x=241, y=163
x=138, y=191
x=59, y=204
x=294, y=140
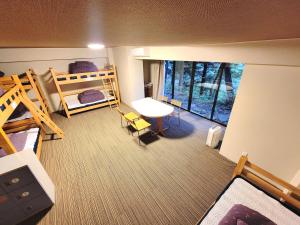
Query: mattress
x=73, y=102
x=243, y=192
x=31, y=140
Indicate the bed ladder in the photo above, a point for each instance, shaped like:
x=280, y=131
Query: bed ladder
x=108, y=86
x=32, y=77
x=36, y=112
x=42, y=116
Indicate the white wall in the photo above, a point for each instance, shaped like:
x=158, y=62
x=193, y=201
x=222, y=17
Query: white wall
x=130, y=74
x=267, y=106
x=40, y=59
x=283, y=52
x=265, y=120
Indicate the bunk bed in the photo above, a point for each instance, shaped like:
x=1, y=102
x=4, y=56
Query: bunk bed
x=254, y=196
x=28, y=137
x=108, y=85
x=33, y=89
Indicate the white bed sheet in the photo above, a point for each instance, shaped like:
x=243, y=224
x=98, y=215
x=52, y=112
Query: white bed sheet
x=73, y=102
x=32, y=136
x=241, y=192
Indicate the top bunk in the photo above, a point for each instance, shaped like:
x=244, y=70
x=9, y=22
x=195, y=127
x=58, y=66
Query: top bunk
x=22, y=117
x=63, y=78
x=254, y=196
x=31, y=85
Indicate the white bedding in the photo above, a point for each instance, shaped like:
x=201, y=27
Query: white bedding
x=241, y=192
x=73, y=102
x=32, y=136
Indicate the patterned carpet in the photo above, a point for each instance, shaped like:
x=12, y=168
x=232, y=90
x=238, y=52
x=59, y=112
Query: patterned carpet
x=103, y=176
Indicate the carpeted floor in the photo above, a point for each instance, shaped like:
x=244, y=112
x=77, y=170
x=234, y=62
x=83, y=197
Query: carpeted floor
x=103, y=176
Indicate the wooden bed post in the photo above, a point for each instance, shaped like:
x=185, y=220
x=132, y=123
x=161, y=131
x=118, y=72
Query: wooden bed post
x=240, y=165
x=6, y=144
x=117, y=84
x=53, y=73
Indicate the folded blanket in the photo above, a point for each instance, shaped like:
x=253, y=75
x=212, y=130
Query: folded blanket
x=242, y=215
x=90, y=92
x=18, y=140
x=90, y=96
x=82, y=67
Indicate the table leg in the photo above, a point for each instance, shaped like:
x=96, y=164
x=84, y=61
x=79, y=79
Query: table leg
x=160, y=125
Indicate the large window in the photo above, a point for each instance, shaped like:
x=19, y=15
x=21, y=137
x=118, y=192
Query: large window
x=206, y=89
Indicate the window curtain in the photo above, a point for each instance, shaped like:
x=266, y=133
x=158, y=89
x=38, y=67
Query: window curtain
x=157, y=73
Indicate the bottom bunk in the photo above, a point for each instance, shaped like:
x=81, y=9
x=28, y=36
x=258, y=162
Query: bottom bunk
x=75, y=106
x=243, y=202
x=27, y=140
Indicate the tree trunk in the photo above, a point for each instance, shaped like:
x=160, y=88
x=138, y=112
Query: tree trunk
x=218, y=77
x=228, y=81
x=203, y=78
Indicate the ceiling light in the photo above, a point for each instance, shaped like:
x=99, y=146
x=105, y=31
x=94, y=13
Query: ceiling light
x=95, y=46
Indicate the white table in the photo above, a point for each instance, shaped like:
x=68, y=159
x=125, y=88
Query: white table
x=151, y=108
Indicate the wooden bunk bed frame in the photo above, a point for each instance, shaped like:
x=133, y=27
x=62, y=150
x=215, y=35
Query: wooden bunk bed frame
x=8, y=103
x=29, y=81
x=277, y=187
x=109, y=82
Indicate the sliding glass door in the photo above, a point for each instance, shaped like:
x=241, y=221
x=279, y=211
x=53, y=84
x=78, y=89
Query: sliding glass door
x=204, y=88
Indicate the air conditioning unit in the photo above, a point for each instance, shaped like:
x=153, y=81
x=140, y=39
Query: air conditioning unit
x=140, y=52
x=214, y=136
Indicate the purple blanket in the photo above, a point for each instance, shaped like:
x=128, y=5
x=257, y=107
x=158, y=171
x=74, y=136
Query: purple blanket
x=242, y=215
x=90, y=96
x=19, y=111
x=18, y=140
x=82, y=67
x=2, y=92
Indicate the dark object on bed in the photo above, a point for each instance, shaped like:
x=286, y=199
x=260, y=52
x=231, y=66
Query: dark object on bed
x=19, y=111
x=2, y=74
x=22, y=75
x=82, y=67
x=90, y=96
x=242, y=215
